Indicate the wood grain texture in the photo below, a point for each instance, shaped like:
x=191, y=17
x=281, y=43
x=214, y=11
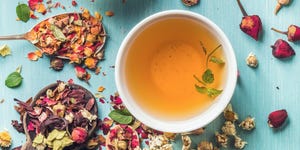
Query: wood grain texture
x=256, y=93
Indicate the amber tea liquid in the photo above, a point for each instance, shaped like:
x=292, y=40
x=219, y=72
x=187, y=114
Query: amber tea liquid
x=161, y=64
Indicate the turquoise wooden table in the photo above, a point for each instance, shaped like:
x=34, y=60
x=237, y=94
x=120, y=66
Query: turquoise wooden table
x=273, y=85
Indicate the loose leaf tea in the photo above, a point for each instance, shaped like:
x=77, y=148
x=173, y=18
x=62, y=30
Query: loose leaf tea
x=14, y=79
x=23, y=12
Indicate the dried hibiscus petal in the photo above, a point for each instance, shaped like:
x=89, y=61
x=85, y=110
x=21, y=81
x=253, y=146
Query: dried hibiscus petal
x=277, y=118
x=250, y=25
x=282, y=49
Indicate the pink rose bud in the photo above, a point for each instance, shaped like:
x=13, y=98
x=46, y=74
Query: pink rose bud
x=81, y=73
x=293, y=33
x=79, y=135
x=277, y=118
x=282, y=49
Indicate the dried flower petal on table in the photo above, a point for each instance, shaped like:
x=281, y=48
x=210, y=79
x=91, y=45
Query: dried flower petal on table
x=205, y=145
x=229, y=128
x=109, y=13
x=101, y=89
x=229, y=114
x=282, y=49
x=32, y=56
x=5, y=139
x=186, y=142
x=239, y=143
x=251, y=60
x=293, y=33
x=277, y=118
x=251, y=25
x=2, y=101
x=190, y=2
x=170, y=136
x=247, y=124
x=56, y=64
x=280, y=3
x=221, y=139
x=4, y=50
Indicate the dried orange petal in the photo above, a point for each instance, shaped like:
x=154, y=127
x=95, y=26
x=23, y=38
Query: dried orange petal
x=101, y=89
x=109, y=13
x=32, y=56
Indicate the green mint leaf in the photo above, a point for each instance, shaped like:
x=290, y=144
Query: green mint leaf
x=216, y=60
x=13, y=80
x=23, y=12
x=58, y=33
x=211, y=92
x=211, y=53
x=121, y=116
x=201, y=89
x=208, y=76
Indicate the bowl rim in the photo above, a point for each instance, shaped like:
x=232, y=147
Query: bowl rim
x=205, y=117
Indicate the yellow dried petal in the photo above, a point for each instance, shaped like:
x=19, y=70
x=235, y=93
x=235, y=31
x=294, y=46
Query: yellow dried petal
x=5, y=139
x=4, y=50
x=101, y=89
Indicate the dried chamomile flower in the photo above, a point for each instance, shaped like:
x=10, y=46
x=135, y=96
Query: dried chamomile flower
x=5, y=139
x=49, y=93
x=221, y=139
x=190, y=2
x=229, y=114
x=229, y=128
x=186, y=142
x=159, y=142
x=247, y=124
x=252, y=60
x=195, y=132
x=205, y=145
x=170, y=136
x=239, y=143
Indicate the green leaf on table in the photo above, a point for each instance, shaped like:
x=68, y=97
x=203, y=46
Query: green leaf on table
x=14, y=79
x=23, y=12
x=212, y=92
x=121, y=116
x=57, y=33
x=208, y=76
x=216, y=60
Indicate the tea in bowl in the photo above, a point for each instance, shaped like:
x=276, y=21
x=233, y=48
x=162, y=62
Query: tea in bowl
x=176, y=71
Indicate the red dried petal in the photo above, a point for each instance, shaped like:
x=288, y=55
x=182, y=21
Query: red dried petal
x=252, y=26
x=74, y=3
x=32, y=3
x=293, y=33
x=30, y=126
x=101, y=100
x=32, y=56
x=282, y=49
x=277, y=118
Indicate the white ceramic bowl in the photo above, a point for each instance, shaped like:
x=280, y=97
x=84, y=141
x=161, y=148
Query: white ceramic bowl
x=206, y=116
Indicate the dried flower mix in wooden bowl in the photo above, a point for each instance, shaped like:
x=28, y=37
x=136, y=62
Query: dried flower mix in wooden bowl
x=61, y=116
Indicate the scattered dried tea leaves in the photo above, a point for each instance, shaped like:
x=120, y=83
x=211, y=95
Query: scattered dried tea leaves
x=4, y=50
x=251, y=60
x=190, y=2
x=23, y=12
x=57, y=32
x=5, y=139
x=39, y=142
x=121, y=116
x=14, y=79
x=109, y=13
x=58, y=140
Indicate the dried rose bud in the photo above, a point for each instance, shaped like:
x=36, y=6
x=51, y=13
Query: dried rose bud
x=277, y=118
x=81, y=73
x=250, y=25
x=190, y=2
x=282, y=49
x=79, y=135
x=280, y=3
x=56, y=64
x=293, y=33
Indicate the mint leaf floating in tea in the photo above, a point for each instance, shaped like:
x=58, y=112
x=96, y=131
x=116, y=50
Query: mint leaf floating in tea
x=201, y=89
x=23, y=12
x=121, y=116
x=216, y=60
x=212, y=92
x=211, y=53
x=14, y=79
x=208, y=76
